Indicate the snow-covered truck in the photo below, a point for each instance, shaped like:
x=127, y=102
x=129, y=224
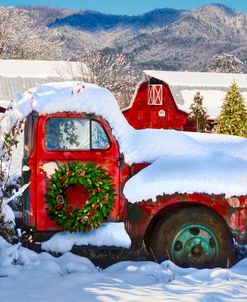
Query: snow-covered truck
x=184, y=195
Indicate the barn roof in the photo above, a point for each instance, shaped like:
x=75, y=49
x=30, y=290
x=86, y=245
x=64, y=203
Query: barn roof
x=205, y=79
x=212, y=86
x=21, y=75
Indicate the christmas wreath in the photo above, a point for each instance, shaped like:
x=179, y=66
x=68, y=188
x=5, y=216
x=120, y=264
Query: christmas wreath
x=98, y=203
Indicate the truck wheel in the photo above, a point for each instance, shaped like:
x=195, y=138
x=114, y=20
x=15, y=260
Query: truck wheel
x=194, y=237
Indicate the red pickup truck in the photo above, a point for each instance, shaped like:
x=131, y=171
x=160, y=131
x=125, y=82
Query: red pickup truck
x=65, y=150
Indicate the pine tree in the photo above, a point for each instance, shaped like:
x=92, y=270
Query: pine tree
x=198, y=113
x=233, y=116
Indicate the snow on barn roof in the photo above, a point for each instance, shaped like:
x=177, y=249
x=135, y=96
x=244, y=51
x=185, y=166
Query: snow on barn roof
x=192, y=79
x=212, y=86
x=21, y=75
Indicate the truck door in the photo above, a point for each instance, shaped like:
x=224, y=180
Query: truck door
x=67, y=137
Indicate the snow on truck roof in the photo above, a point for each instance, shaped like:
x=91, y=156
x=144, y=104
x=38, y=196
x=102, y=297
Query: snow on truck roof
x=179, y=161
x=212, y=86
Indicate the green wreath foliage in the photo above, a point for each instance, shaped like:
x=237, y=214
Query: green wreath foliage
x=98, y=206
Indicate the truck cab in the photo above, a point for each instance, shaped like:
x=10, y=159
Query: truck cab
x=54, y=140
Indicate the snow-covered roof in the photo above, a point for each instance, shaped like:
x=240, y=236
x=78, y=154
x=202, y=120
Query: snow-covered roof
x=212, y=86
x=21, y=75
x=206, y=163
x=9, y=86
x=38, y=69
x=192, y=79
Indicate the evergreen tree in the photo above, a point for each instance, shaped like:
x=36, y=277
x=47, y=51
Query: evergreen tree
x=233, y=116
x=198, y=113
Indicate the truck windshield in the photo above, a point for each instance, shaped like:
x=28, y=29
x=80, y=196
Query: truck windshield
x=75, y=134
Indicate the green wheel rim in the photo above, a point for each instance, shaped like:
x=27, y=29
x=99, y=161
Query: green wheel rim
x=194, y=245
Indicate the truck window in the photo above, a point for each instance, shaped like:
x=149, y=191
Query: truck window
x=30, y=125
x=67, y=134
x=99, y=138
x=75, y=134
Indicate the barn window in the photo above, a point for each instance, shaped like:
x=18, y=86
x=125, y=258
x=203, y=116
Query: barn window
x=155, y=95
x=162, y=113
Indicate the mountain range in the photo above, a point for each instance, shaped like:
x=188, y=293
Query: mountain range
x=165, y=39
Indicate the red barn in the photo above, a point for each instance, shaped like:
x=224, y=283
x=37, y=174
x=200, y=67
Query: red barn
x=164, y=100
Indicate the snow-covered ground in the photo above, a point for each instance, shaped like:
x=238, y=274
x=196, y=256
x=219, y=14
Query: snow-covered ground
x=108, y=234
x=27, y=276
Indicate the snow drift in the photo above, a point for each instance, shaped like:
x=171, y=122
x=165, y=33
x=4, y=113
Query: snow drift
x=28, y=276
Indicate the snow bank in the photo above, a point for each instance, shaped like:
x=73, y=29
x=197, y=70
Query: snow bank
x=12, y=257
x=109, y=234
x=180, y=161
x=28, y=276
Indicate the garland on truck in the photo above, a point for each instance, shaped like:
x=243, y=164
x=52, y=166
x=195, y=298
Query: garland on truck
x=96, y=209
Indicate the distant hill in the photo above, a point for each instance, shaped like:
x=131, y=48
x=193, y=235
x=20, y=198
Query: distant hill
x=162, y=39
x=95, y=21
x=191, y=42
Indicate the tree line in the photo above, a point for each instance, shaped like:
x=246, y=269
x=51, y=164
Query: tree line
x=233, y=116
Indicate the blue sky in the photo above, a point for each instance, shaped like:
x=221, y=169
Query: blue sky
x=129, y=7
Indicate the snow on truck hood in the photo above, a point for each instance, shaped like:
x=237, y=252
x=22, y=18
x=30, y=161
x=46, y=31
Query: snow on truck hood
x=181, y=162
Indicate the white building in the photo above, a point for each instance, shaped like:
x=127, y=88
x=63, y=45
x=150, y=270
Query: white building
x=21, y=75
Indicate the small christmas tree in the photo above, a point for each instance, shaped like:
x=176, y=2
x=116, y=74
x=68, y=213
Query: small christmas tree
x=233, y=116
x=198, y=113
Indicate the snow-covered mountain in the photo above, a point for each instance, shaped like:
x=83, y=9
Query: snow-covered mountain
x=95, y=21
x=163, y=38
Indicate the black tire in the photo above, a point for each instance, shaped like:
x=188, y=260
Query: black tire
x=180, y=238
